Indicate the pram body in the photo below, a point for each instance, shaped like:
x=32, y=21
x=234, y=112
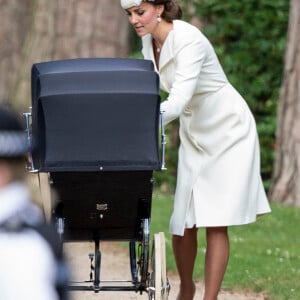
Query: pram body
x=95, y=133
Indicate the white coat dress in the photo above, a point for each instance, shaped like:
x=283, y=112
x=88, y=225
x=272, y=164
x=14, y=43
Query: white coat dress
x=218, y=177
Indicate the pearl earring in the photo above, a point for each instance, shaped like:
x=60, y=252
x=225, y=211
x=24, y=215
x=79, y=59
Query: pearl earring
x=158, y=19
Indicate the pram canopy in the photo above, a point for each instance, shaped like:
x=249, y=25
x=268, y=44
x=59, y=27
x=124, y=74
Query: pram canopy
x=95, y=114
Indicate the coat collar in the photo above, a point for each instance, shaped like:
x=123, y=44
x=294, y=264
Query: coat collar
x=166, y=53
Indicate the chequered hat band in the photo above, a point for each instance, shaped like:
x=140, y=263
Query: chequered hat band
x=13, y=143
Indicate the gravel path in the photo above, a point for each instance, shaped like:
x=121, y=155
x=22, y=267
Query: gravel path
x=115, y=265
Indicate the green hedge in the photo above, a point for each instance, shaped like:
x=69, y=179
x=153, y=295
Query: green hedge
x=249, y=39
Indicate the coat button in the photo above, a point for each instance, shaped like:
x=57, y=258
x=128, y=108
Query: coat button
x=188, y=110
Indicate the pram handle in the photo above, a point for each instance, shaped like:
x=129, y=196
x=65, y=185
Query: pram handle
x=163, y=141
x=28, y=116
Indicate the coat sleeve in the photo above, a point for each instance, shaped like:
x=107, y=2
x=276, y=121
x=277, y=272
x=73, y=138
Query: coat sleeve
x=189, y=58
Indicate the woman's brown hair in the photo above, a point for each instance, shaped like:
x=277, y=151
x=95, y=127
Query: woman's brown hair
x=172, y=10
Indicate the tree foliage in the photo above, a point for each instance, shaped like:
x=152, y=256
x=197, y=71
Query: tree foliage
x=249, y=38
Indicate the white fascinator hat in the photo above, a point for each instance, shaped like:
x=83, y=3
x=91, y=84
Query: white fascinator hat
x=130, y=3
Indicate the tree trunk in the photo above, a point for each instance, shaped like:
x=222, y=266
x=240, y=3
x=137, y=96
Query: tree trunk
x=285, y=183
x=43, y=30
x=14, y=23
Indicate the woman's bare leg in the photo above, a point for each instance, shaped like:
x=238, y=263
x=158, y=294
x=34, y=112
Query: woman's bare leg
x=216, y=260
x=185, y=251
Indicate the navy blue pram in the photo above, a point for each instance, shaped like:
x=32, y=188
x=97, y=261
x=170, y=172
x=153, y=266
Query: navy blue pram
x=95, y=132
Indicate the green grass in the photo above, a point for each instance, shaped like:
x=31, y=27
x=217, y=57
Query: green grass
x=265, y=256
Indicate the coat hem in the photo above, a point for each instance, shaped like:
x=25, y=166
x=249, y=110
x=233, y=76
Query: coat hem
x=240, y=223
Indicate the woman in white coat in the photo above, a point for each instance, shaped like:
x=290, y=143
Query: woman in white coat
x=218, y=181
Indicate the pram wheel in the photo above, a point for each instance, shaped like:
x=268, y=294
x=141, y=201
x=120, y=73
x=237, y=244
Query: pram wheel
x=139, y=265
x=158, y=283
